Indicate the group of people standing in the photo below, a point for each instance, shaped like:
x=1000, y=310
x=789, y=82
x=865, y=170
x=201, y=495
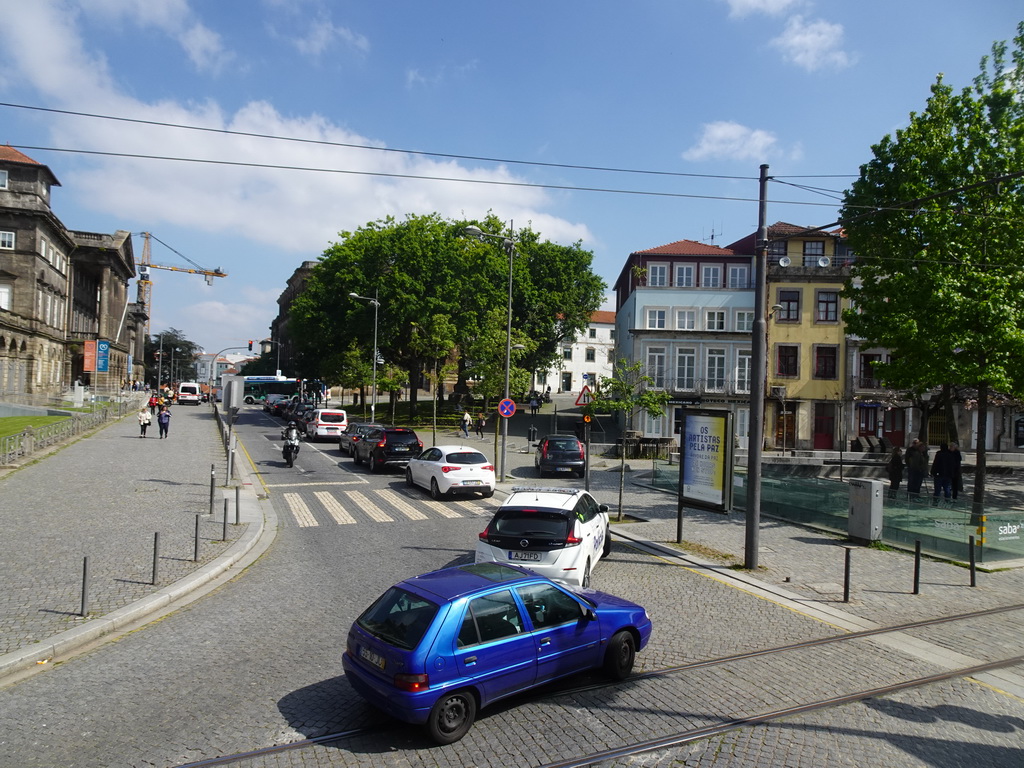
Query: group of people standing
x=946, y=470
x=163, y=416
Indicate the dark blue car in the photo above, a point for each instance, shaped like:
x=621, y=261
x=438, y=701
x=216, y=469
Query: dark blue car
x=436, y=648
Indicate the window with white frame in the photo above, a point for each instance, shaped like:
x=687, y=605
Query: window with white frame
x=657, y=275
x=653, y=425
x=744, y=321
x=656, y=365
x=6, y=295
x=739, y=276
x=715, y=370
x=711, y=276
x=684, y=275
x=3, y=179
x=686, y=365
x=655, y=318
x=743, y=371
x=7, y=240
x=813, y=250
x=686, y=320
x=828, y=307
x=714, y=320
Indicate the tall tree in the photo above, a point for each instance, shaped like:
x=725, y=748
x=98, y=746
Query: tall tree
x=935, y=219
x=179, y=357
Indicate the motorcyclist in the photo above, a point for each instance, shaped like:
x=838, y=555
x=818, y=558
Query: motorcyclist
x=290, y=435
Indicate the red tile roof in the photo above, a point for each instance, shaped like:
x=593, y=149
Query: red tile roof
x=686, y=248
x=602, y=316
x=9, y=154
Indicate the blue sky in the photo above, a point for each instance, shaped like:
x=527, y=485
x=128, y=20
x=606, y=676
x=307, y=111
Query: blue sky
x=709, y=88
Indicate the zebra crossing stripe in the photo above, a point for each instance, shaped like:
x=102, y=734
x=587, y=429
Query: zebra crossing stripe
x=442, y=508
x=334, y=508
x=300, y=511
x=396, y=501
x=367, y=506
x=474, y=507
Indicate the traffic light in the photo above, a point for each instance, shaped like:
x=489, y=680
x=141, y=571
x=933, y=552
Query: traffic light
x=250, y=345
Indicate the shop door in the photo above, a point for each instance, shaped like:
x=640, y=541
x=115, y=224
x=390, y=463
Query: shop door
x=824, y=426
x=785, y=426
x=894, y=426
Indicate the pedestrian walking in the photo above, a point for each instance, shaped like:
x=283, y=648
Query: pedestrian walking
x=144, y=421
x=163, y=421
x=958, y=472
x=917, y=466
x=481, y=422
x=942, y=472
x=534, y=404
x=894, y=468
x=154, y=401
x=466, y=421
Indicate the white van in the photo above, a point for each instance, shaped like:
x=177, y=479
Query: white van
x=189, y=392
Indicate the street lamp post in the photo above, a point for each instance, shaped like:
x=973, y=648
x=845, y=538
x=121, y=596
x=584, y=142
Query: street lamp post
x=376, y=307
x=510, y=247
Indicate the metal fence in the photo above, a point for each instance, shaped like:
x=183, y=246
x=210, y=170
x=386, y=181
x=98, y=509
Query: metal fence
x=15, y=448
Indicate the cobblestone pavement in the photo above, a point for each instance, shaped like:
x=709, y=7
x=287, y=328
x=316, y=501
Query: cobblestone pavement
x=103, y=497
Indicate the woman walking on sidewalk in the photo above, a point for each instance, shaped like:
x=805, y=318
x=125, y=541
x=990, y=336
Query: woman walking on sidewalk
x=144, y=421
x=163, y=421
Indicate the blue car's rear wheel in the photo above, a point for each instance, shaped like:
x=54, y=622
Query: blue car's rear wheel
x=451, y=717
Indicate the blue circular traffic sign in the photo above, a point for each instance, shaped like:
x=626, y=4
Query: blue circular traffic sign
x=506, y=408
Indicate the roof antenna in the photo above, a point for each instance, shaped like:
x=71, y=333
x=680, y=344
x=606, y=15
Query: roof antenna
x=710, y=239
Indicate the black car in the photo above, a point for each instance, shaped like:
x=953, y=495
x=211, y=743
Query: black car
x=560, y=454
x=387, y=446
x=352, y=434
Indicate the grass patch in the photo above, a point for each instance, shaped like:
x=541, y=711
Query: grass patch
x=15, y=425
x=705, y=551
x=880, y=546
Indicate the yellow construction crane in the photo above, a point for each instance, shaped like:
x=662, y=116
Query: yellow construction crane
x=145, y=264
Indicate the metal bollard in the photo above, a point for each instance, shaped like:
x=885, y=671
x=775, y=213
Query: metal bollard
x=974, y=571
x=224, y=534
x=156, y=557
x=238, y=504
x=846, y=577
x=195, y=556
x=213, y=484
x=85, y=587
x=917, y=567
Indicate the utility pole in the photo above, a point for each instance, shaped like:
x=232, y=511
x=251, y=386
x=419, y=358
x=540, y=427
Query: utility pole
x=759, y=365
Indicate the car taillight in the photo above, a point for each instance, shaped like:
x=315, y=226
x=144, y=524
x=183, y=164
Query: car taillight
x=582, y=457
x=420, y=444
x=573, y=540
x=484, y=534
x=446, y=470
x=382, y=443
x=487, y=467
x=412, y=683
x=544, y=451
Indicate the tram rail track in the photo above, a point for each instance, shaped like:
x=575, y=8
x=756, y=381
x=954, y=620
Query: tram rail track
x=685, y=736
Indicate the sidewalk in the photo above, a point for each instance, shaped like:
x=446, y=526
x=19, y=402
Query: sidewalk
x=103, y=497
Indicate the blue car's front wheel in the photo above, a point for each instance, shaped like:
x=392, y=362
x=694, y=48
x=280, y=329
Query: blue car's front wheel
x=452, y=716
x=619, y=657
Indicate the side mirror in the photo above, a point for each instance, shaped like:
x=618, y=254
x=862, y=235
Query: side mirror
x=589, y=614
x=603, y=507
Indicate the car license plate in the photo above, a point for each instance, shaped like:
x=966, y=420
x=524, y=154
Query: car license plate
x=513, y=555
x=332, y=429
x=471, y=482
x=563, y=469
x=376, y=659
x=399, y=448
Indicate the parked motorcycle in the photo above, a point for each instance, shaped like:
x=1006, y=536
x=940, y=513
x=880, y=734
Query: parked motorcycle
x=290, y=435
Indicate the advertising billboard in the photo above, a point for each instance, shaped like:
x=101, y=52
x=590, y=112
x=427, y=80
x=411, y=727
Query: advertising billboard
x=706, y=459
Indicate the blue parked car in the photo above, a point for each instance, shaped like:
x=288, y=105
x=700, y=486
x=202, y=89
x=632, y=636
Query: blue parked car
x=436, y=648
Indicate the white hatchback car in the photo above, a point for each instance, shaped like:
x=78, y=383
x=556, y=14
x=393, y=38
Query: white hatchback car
x=325, y=422
x=561, y=533
x=449, y=469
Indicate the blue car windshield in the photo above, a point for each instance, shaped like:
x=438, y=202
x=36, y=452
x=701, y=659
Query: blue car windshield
x=399, y=618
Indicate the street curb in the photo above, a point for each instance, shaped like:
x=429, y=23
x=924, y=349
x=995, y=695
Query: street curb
x=67, y=643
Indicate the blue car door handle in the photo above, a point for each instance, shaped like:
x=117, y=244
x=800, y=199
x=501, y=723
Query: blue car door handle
x=545, y=641
x=471, y=659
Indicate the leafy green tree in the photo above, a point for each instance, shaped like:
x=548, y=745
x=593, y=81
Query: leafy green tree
x=935, y=219
x=177, y=350
x=629, y=392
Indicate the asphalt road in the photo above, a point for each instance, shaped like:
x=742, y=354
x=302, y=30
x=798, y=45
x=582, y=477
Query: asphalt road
x=257, y=662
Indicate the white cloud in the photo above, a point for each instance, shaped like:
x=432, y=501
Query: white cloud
x=813, y=45
x=741, y=8
x=323, y=34
x=726, y=140
x=175, y=19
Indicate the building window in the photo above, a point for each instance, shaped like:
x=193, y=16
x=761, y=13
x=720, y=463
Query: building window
x=686, y=320
x=657, y=275
x=567, y=353
x=777, y=248
x=3, y=179
x=592, y=332
x=686, y=363
x=656, y=365
x=684, y=275
x=868, y=378
x=711, y=277
x=744, y=321
x=714, y=320
x=716, y=370
x=826, y=362
x=790, y=312
x=6, y=293
x=739, y=277
x=743, y=371
x=655, y=318
x=787, y=360
x=828, y=307
x=7, y=240
x=813, y=250
x=590, y=355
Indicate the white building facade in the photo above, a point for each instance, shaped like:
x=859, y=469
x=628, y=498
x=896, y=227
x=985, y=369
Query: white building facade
x=589, y=358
